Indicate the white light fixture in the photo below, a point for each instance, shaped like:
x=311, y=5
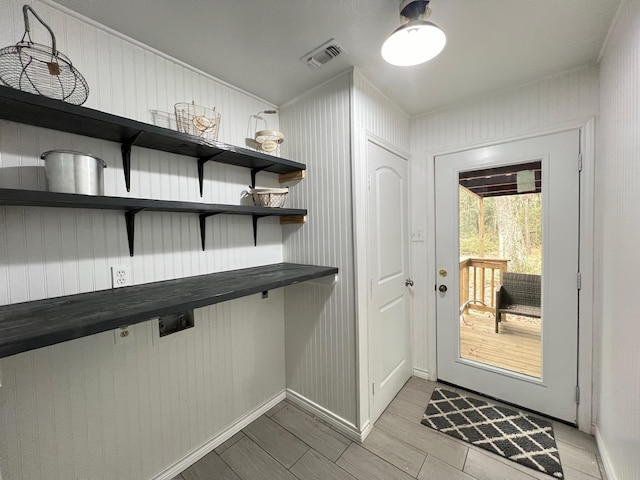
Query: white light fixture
x=417, y=40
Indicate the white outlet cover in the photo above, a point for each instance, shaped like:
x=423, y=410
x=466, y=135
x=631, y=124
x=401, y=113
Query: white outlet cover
x=123, y=335
x=120, y=276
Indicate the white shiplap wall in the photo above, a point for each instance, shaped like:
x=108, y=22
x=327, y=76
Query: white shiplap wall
x=617, y=240
x=321, y=343
x=570, y=98
x=376, y=114
x=86, y=408
x=320, y=320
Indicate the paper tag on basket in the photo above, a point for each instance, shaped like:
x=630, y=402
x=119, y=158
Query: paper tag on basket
x=54, y=68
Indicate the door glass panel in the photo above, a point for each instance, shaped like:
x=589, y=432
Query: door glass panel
x=500, y=241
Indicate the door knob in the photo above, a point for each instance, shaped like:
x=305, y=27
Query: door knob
x=442, y=288
x=408, y=282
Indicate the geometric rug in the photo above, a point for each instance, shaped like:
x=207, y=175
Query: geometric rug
x=517, y=436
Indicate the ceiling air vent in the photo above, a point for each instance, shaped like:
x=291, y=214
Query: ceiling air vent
x=322, y=54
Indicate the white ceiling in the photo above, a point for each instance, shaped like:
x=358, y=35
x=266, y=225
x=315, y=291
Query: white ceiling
x=256, y=44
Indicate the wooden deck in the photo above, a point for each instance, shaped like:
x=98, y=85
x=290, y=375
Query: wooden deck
x=517, y=347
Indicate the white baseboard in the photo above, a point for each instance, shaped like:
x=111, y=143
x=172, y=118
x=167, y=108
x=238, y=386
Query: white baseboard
x=213, y=443
x=604, y=454
x=418, y=372
x=343, y=426
x=366, y=430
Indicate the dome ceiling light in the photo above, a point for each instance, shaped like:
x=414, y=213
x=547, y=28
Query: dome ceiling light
x=416, y=40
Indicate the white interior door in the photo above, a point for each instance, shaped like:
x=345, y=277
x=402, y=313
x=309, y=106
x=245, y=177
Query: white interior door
x=389, y=351
x=553, y=390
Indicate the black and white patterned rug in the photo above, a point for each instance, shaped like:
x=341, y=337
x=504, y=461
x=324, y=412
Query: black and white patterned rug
x=517, y=436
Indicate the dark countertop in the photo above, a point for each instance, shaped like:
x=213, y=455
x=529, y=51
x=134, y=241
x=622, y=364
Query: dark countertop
x=30, y=325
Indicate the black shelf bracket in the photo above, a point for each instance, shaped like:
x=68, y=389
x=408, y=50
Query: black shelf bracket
x=203, y=227
x=255, y=227
x=254, y=171
x=126, y=159
x=130, y=218
x=201, y=162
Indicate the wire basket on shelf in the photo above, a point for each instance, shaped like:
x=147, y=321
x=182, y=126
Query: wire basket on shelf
x=40, y=69
x=267, y=197
x=197, y=120
x=265, y=140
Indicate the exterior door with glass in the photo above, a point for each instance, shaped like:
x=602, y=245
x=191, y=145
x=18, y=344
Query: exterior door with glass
x=507, y=244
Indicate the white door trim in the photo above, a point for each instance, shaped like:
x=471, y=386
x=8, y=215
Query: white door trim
x=585, y=304
x=361, y=254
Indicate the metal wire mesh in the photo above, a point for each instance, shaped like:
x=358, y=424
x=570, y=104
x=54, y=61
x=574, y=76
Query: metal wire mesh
x=34, y=68
x=197, y=120
x=275, y=200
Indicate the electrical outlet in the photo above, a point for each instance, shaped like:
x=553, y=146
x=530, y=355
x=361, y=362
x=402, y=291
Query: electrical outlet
x=123, y=335
x=120, y=276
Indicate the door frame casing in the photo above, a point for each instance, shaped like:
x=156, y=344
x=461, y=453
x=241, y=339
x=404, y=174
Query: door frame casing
x=586, y=127
x=361, y=254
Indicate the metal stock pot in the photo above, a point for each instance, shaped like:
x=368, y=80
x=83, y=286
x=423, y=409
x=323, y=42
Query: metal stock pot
x=74, y=172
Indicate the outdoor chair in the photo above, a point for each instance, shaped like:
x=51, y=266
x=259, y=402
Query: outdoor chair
x=519, y=294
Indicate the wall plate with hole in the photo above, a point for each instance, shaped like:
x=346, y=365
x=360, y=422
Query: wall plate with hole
x=172, y=327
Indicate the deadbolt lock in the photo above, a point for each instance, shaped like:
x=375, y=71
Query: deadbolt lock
x=442, y=272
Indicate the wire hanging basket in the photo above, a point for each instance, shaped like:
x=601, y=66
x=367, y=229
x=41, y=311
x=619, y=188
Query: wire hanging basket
x=197, y=120
x=40, y=69
x=267, y=141
x=267, y=197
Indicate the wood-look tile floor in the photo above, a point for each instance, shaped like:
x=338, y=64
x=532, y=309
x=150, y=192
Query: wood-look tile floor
x=287, y=443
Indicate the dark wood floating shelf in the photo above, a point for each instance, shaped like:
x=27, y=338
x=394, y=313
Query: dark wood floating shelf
x=22, y=107
x=133, y=206
x=30, y=325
